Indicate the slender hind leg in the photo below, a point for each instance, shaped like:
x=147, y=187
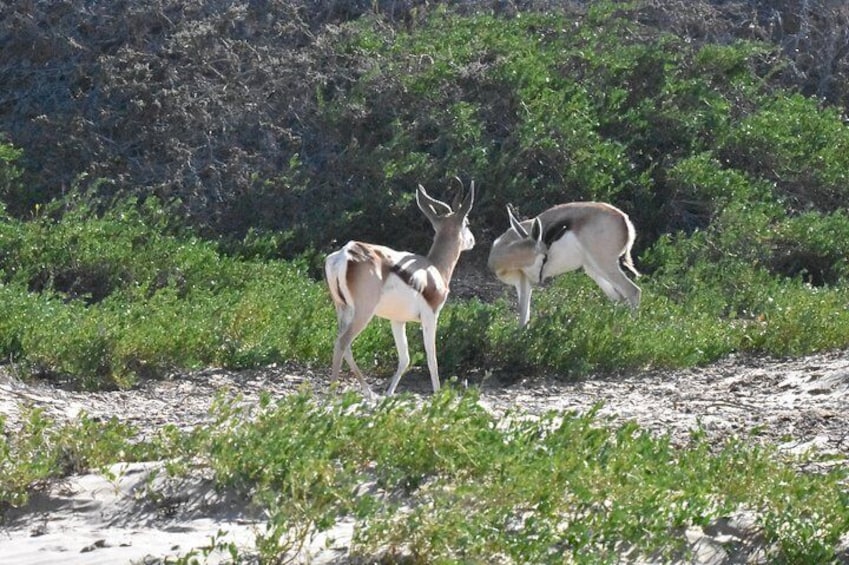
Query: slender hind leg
x=629, y=291
x=344, y=317
x=605, y=285
x=615, y=284
x=351, y=324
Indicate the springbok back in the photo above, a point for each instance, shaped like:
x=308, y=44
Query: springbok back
x=592, y=235
x=368, y=280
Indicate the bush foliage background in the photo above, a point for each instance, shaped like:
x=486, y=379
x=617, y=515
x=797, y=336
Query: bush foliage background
x=173, y=172
x=172, y=177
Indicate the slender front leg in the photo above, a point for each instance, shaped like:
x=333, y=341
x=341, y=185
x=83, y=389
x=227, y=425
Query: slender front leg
x=523, y=289
x=429, y=336
x=399, y=332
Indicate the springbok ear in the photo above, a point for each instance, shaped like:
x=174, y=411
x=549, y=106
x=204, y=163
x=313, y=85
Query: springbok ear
x=431, y=207
x=516, y=224
x=536, y=230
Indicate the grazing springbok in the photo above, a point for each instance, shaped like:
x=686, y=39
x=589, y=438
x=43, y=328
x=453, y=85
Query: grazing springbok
x=367, y=280
x=592, y=235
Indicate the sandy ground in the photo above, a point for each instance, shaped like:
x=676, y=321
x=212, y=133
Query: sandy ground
x=135, y=515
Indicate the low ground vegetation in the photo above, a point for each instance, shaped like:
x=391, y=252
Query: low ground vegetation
x=567, y=486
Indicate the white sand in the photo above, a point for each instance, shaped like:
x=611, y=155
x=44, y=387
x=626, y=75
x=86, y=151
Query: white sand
x=140, y=516
x=91, y=519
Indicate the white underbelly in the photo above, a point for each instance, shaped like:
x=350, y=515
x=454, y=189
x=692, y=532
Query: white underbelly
x=564, y=255
x=399, y=302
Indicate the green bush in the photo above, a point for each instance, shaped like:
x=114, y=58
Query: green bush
x=175, y=302
x=73, y=249
x=43, y=449
x=279, y=315
x=10, y=171
x=462, y=336
x=106, y=298
x=445, y=480
x=794, y=142
x=812, y=246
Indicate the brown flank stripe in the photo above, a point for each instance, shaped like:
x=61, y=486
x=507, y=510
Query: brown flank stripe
x=430, y=292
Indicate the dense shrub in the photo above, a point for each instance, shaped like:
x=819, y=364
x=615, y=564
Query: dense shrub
x=812, y=246
x=752, y=280
x=10, y=172
x=317, y=120
x=801, y=147
x=41, y=449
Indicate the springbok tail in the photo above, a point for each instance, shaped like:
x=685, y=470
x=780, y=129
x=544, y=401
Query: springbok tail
x=336, y=273
x=629, y=263
x=627, y=260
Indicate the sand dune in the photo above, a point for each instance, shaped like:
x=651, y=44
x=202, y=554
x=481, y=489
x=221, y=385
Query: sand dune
x=131, y=513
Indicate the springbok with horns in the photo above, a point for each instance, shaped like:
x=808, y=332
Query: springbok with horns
x=592, y=235
x=367, y=280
